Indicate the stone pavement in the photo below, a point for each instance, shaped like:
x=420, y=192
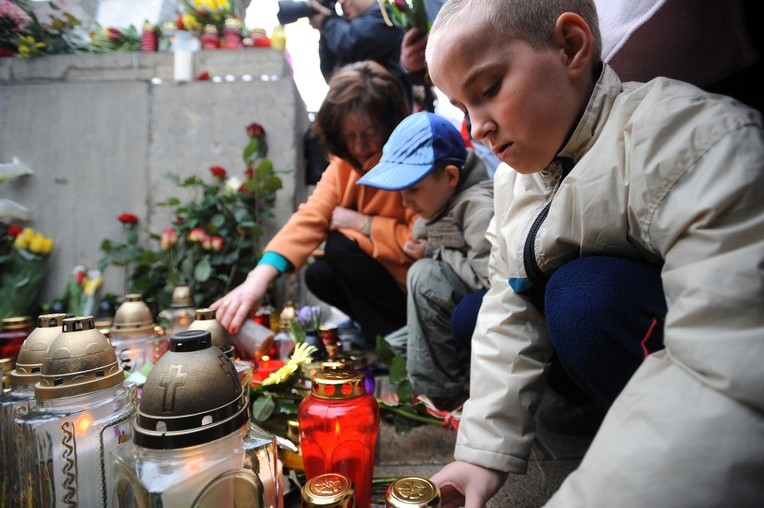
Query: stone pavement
x=425, y=449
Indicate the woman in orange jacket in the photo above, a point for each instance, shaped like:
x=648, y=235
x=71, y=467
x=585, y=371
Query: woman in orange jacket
x=363, y=270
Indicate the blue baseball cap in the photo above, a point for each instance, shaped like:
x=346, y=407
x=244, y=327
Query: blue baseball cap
x=419, y=143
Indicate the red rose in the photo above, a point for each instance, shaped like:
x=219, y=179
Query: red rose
x=217, y=243
x=249, y=173
x=218, y=171
x=128, y=218
x=203, y=76
x=243, y=189
x=114, y=34
x=14, y=230
x=401, y=5
x=179, y=22
x=255, y=130
x=196, y=235
x=207, y=242
x=168, y=239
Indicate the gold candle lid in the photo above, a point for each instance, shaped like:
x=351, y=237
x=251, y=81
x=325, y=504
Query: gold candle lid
x=330, y=489
x=32, y=352
x=337, y=384
x=412, y=492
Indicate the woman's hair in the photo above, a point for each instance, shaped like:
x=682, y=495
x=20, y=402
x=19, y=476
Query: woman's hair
x=361, y=87
x=532, y=21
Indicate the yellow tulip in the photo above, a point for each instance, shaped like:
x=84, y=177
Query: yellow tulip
x=37, y=244
x=48, y=246
x=21, y=242
x=190, y=22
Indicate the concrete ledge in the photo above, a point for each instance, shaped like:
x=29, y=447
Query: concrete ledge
x=138, y=66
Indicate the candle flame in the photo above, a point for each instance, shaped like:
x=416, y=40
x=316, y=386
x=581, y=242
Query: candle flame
x=84, y=423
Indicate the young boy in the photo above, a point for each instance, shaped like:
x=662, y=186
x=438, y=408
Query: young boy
x=448, y=186
x=641, y=202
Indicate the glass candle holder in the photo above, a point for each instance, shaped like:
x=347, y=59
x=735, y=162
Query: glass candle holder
x=83, y=411
x=19, y=400
x=193, y=443
x=133, y=337
x=338, y=429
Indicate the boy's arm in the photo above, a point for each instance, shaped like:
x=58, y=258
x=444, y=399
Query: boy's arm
x=510, y=353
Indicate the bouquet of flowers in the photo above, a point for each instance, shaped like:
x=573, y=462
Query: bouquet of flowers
x=24, y=255
x=195, y=14
x=406, y=14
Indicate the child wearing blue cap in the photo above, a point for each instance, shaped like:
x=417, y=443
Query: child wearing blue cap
x=447, y=184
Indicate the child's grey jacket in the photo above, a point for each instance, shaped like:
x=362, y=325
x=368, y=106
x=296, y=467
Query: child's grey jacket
x=456, y=235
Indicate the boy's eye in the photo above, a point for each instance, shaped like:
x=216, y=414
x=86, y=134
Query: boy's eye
x=491, y=90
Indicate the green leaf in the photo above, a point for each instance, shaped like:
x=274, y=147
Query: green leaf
x=262, y=149
x=273, y=183
x=203, y=269
x=397, y=370
x=265, y=169
x=262, y=408
x=218, y=220
x=251, y=148
x=384, y=351
x=243, y=215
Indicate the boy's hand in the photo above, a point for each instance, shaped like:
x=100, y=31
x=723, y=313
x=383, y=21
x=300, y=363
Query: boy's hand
x=468, y=485
x=415, y=248
x=412, y=50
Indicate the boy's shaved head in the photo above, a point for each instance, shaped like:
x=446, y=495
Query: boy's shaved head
x=532, y=21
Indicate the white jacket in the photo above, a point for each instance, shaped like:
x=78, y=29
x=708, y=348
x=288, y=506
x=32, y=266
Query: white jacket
x=663, y=173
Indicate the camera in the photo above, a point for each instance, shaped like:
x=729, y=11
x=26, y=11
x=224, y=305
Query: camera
x=292, y=10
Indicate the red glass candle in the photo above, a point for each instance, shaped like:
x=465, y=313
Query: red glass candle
x=338, y=429
x=149, y=38
x=210, y=38
x=232, y=34
x=265, y=367
x=13, y=333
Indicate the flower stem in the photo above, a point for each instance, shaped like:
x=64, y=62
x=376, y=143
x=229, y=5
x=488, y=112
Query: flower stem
x=411, y=416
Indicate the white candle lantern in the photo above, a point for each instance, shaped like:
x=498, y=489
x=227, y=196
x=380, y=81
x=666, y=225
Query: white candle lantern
x=193, y=443
x=179, y=316
x=83, y=411
x=133, y=337
x=19, y=400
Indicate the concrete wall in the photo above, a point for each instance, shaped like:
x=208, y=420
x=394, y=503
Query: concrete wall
x=99, y=131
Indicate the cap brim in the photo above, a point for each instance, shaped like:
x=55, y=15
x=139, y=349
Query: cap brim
x=395, y=176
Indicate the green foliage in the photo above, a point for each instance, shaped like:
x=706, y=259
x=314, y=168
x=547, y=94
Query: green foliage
x=212, y=244
x=406, y=414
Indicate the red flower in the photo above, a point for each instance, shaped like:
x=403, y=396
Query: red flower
x=179, y=220
x=196, y=235
x=401, y=5
x=14, y=230
x=114, y=34
x=243, y=189
x=218, y=171
x=207, y=242
x=217, y=243
x=249, y=173
x=128, y=218
x=203, y=76
x=255, y=130
x=168, y=239
x=179, y=22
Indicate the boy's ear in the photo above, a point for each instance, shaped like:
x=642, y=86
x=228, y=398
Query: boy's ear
x=453, y=174
x=574, y=36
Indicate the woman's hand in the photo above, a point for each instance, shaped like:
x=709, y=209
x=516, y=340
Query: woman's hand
x=238, y=304
x=468, y=485
x=415, y=248
x=347, y=218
